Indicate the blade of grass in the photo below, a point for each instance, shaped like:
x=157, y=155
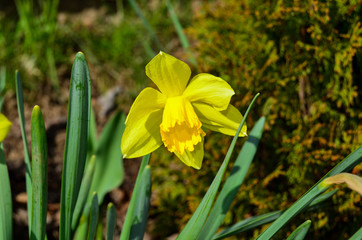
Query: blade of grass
x=76, y=142
x=39, y=162
x=233, y=182
x=138, y=11
x=300, y=232
x=52, y=69
x=194, y=225
x=6, y=212
x=257, y=221
x=93, y=221
x=181, y=35
x=111, y=221
x=346, y=165
x=20, y=103
x=357, y=235
x=83, y=192
x=148, y=49
x=135, y=201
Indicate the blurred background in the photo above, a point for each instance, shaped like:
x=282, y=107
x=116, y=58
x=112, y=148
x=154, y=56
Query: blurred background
x=304, y=57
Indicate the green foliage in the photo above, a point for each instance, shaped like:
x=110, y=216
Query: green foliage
x=135, y=222
x=39, y=152
x=75, y=151
x=6, y=205
x=305, y=58
x=38, y=41
x=20, y=107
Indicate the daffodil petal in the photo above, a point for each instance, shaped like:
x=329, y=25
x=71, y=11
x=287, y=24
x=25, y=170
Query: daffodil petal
x=226, y=122
x=5, y=126
x=142, y=133
x=193, y=158
x=169, y=74
x=147, y=101
x=207, y=88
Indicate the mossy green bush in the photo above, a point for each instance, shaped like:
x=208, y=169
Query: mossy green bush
x=305, y=59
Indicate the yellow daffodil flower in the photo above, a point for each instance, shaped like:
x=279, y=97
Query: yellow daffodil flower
x=174, y=113
x=5, y=126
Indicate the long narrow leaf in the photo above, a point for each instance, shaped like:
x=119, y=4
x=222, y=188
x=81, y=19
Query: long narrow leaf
x=93, y=221
x=194, y=225
x=6, y=212
x=92, y=138
x=52, y=69
x=138, y=11
x=135, y=201
x=111, y=221
x=248, y=224
x=181, y=35
x=233, y=182
x=257, y=221
x=83, y=192
x=99, y=232
x=82, y=227
x=143, y=195
x=357, y=235
x=20, y=103
x=39, y=162
x=76, y=142
x=109, y=158
x=346, y=165
x=300, y=232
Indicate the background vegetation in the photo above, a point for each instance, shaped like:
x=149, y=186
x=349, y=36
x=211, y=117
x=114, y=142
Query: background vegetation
x=304, y=57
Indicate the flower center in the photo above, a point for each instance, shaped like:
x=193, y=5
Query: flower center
x=180, y=127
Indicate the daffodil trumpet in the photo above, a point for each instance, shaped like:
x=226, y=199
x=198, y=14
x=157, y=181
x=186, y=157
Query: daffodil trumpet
x=177, y=112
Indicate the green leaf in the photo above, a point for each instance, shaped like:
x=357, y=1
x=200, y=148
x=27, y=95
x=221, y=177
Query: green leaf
x=82, y=227
x=194, y=225
x=83, y=192
x=109, y=158
x=20, y=103
x=6, y=212
x=357, y=235
x=39, y=162
x=143, y=195
x=248, y=224
x=233, y=182
x=346, y=165
x=111, y=221
x=99, y=233
x=181, y=35
x=138, y=207
x=52, y=69
x=93, y=221
x=92, y=138
x=75, y=143
x=138, y=11
x=257, y=221
x=300, y=232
